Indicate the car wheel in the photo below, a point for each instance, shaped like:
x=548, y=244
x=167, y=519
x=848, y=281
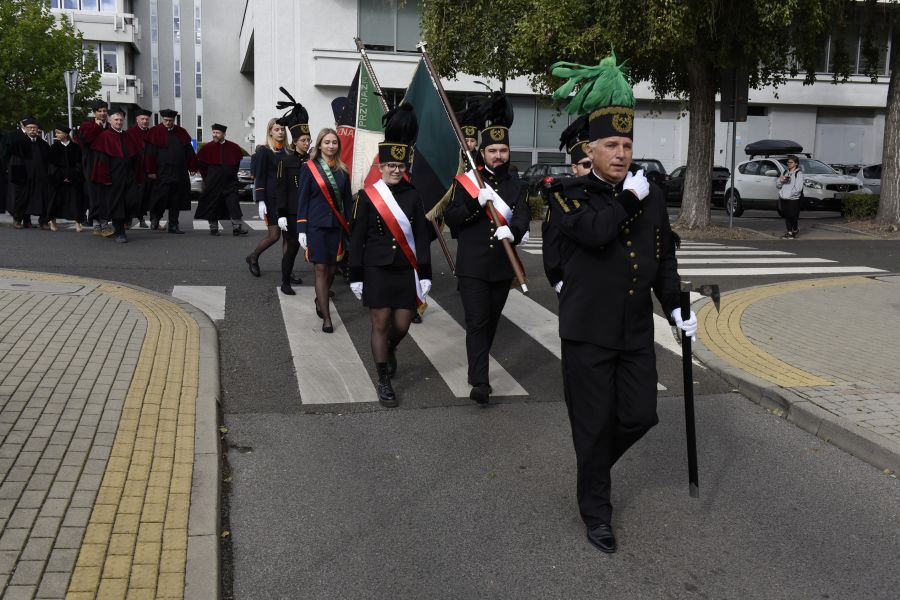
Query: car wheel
x=733, y=204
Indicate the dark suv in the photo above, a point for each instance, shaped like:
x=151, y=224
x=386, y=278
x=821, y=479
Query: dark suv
x=541, y=176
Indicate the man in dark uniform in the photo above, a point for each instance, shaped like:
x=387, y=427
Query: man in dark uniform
x=88, y=132
x=482, y=266
x=139, y=133
x=118, y=168
x=218, y=162
x=171, y=158
x=615, y=246
x=28, y=164
x=67, y=178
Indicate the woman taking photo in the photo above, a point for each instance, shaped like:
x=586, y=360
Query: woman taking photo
x=390, y=260
x=266, y=163
x=322, y=216
x=790, y=195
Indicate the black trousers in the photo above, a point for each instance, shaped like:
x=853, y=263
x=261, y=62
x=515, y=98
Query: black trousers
x=611, y=399
x=171, y=195
x=791, y=211
x=291, y=248
x=483, y=303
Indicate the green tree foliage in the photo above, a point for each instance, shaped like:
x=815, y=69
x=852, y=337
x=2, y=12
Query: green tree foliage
x=35, y=49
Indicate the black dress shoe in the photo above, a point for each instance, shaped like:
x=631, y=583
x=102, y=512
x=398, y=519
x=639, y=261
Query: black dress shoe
x=386, y=395
x=296, y=280
x=287, y=290
x=254, y=266
x=601, y=536
x=417, y=318
x=175, y=229
x=239, y=231
x=214, y=232
x=480, y=393
x=327, y=328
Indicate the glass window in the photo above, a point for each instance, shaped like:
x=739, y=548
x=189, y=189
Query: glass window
x=520, y=158
x=72, y=4
x=677, y=172
x=408, y=31
x=521, y=134
x=376, y=23
x=199, y=81
x=766, y=166
x=154, y=24
x=849, y=43
x=176, y=22
x=196, y=24
x=56, y=4
x=110, y=59
x=550, y=124
x=108, y=5
x=154, y=76
x=873, y=172
x=177, y=78
x=553, y=158
x=750, y=168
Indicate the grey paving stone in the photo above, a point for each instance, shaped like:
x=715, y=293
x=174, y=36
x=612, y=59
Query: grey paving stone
x=19, y=592
x=19, y=474
x=46, y=527
x=8, y=560
x=37, y=549
x=61, y=489
x=54, y=507
x=28, y=459
x=53, y=586
x=89, y=482
x=69, y=538
x=23, y=517
x=11, y=489
x=13, y=539
x=83, y=498
x=97, y=466
x=62, y=560
x=48, y=465
x=39, y=482
x=32, y=499
x=28, y=572
x=77, y=517
x=7, y=505
x=75, y=458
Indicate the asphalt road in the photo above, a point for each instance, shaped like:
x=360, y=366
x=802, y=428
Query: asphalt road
x=442, y=499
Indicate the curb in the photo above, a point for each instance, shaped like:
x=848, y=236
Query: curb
x=875, y=449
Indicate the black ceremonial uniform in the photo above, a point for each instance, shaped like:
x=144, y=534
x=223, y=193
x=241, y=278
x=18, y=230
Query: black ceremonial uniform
x=376, y=258
x=613, y=250
x=482, y=266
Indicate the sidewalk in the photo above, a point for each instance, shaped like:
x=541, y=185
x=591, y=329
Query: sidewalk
x=109, y=456
x=822, y=353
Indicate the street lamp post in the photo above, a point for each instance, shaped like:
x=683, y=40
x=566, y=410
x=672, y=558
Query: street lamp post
x=71, y=79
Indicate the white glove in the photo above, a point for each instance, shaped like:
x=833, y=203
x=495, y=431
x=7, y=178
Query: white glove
x=282, y=223
x=525, y=238
x=426, y=286
x=262, y=210
x=302, y=239
x=558, y=287
x=356, y=288
x=637, y=184
x=503, y=232
x=485, y=194
x=689, y=327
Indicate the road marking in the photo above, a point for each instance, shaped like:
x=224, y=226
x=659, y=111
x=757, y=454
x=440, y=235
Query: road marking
x=749, y=260
x=443, y=341
x=256, y=224
x=733, y=253
x=208, y=298
x=328, y=367
x=776, y=271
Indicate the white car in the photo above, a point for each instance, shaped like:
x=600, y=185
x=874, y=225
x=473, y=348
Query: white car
x=753, y=185
x=870, y=176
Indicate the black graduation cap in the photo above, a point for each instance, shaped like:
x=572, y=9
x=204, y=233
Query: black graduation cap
x=218, y=127
x=400, y=130
x=97, y=104
x=64, y=128
x=117, y=110
x=29, y=121
x=168, y=113
x=143, y=112
x=297, y=119
x=496, y=111
x=469, y=118
x=575, y=137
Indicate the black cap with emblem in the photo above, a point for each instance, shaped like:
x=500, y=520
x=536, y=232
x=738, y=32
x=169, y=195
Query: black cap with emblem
x=497, y=114
x=400, y=130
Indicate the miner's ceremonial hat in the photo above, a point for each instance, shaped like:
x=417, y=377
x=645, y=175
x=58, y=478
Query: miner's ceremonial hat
x=296, y=120
x=575, y=139
x=497, y=115
x=400, y=130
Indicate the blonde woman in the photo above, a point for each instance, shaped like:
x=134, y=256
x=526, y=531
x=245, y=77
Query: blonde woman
x=322, y=222
x=265, y=164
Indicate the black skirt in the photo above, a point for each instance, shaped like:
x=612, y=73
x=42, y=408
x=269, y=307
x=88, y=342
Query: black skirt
x=389, y=287
x=322, y=244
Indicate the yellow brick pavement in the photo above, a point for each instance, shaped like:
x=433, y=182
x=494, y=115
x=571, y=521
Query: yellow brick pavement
x=136, y=540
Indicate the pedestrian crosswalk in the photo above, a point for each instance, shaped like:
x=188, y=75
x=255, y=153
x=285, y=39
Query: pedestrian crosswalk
x=701, y=259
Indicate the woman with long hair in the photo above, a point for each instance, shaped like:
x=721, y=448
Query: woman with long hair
x=322, y=216
x=266, y=164
x=390, y=259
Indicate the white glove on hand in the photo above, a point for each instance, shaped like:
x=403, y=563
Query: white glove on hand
x=525, y=238
x=558, y=287
x=637, y=184
x=356, y=288
x=261, y=206
x=485, y=194
x=282, y=223
x=302, y=239
x=503, y=232
x=689, y=327
x=426, y=286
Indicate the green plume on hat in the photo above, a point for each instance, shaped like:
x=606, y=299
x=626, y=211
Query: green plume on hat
x=602, y=85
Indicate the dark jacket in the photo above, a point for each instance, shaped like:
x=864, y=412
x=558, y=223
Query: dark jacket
x=613, y=250
x=479, y=254
x=264, y=165
x=371, y=241
x=313, y=209
x=288, y=177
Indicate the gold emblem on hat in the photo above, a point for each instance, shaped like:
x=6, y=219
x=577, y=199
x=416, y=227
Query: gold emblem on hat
x=622, y=122
x=469, y=131
x=304, y=128
x=398, y=152
x=497, y=134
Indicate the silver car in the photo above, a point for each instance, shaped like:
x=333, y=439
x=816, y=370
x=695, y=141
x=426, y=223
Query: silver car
x=870, y=176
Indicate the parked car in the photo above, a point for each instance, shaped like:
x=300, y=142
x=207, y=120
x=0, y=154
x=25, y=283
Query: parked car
x=845, y=169
x=653, y=170
x=870, y=176
x=541, y=176
x=675, y=185
x=245, y=180
x=196, y=185
x=753, y=183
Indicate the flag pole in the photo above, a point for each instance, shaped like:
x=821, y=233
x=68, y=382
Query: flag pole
x=510, y=249
x=437, y=230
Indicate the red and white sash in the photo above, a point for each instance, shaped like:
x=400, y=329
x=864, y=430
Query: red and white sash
x=470, y=182
x=398, y=223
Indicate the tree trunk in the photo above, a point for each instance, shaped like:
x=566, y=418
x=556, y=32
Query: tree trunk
x=889, y=204
x=701, y=139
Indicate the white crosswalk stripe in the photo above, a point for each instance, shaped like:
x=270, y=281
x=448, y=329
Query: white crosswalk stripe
x=208, y=298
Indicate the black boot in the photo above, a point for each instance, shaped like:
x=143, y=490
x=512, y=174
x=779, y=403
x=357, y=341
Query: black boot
x=386, y=395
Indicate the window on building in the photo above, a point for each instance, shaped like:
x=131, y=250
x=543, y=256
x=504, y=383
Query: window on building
x=852, y=43
x=197, y=25
x=199, y=128
x=177, y=78
x=102, y=57
x=199, y=81
x=72, y=4
x=154, y=23
x=389, y=24
x=108, y=5
x=154, y=76
x=176, y=22
x=110, y=59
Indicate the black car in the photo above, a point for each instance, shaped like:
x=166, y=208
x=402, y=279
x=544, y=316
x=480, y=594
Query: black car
x=541, y=176
x=653, y=170
x=245, y=180
x=675, y=184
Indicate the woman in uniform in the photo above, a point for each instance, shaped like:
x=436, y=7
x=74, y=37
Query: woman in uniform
x=322, y=216
x=266, y=162
x=390, y=260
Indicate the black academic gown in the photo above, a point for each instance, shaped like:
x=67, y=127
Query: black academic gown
x=87, y=134
x=219, y=164
x=68, y=182
x=119, y=176
x=28, y=175
x=172, y=187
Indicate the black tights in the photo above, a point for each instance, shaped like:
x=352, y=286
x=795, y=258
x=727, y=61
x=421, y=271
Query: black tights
x=389, y=327
x=272, y=235
x=290, y=246
x=324, y=279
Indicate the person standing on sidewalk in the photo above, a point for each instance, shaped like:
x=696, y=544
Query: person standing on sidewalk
x=171, y=160
x=615, y=247
x=790, y=196
x=28, y=165
x=66, y=175
x=218, y=161
x=118, y=167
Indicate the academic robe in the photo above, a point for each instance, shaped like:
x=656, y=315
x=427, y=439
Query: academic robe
x=66, y=176
x=145, y=189
x=28, y=175
x=87, y=134
x=118, y=168
x=218, y=164
x=170, y=156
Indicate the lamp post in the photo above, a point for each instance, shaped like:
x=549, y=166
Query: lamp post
x=71, y=79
